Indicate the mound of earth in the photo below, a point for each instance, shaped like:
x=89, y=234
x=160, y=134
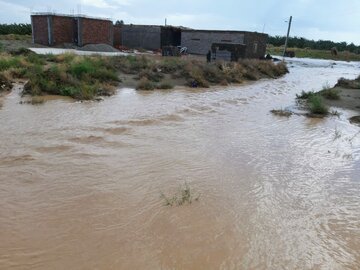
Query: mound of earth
x=349, y=99
x=355, y=120
x=98, y=48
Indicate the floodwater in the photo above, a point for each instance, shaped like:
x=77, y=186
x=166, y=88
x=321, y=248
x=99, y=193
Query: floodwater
x=80, y=183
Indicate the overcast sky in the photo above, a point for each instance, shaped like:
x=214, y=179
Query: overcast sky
x=315, y=19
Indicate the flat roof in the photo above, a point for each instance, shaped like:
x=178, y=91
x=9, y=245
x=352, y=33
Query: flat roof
x=153, y=25
x=223, y=31
x=69, y=15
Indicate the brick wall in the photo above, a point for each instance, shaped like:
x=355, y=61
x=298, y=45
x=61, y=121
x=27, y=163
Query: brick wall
x=62, y=30
x=40, y=30
x=96, y=31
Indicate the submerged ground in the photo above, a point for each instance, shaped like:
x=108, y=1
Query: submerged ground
x=81, y=183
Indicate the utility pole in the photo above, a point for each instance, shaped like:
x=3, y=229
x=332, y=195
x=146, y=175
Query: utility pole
x=287, y=36
x=165, y=21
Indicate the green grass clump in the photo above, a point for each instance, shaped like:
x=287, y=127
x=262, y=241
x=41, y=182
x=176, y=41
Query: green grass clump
x=34, y=58
x=317, y=106
x=9, y=62
x=305, y=95
x=184, y=195
x=83, y=78
x=331, y=94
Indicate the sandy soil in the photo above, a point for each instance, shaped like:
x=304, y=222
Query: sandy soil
x=349, y=99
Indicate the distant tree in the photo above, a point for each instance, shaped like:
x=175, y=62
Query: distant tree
x=121, y=22
x=317, y=45
x=18, y=29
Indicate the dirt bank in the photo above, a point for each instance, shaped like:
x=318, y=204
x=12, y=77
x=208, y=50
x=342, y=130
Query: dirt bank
x=85, y=77
x=349, y=99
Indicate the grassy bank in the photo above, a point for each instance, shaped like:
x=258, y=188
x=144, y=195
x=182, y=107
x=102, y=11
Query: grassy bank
x=85, y=77
x=316, y=54
x=344, y=94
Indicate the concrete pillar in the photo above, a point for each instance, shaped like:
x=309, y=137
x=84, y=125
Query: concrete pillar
x=50, y=30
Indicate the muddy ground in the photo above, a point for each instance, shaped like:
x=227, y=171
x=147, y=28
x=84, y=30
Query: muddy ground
x=349, y=99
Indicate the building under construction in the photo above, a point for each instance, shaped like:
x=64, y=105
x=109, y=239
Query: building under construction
x=51, y=29
x=247, y=44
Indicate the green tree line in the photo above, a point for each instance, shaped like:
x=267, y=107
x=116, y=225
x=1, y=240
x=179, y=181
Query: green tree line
x=299, y=42
x=15, y=28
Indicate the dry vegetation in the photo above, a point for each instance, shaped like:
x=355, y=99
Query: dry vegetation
x=85, y=77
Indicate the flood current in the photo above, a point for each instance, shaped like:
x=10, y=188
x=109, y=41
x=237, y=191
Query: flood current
x=81, y=183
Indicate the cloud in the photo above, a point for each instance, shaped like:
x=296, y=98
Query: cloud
x=18, y=13
x=96, y=3
x=112, y=4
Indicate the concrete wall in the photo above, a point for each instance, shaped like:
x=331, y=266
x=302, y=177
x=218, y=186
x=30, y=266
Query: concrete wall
x=200, y=41
x=141, y=36
x=117, y=35
x=95, y=31
x=40, y=30
x=255, y=45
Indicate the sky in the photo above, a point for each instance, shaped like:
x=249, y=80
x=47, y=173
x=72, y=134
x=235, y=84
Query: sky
x=314, y=19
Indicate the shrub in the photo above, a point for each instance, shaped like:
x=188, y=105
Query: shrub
x=212, y=73
x=145, y=84
x=171, y=65
x=305, y=95
x=197, y=78
x=317, y=106
x=131, y=64
x=151, y=75
x=81, y=68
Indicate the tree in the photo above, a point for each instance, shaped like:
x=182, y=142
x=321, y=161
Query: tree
x=121, y=22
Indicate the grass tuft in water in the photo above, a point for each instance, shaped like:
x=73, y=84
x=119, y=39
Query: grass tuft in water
x=184, y=195
x=317, y=106
x=281, y=112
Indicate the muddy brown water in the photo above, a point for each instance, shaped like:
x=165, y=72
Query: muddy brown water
x=80, y=183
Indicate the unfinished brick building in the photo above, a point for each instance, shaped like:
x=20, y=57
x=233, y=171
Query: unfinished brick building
x=51, y=29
